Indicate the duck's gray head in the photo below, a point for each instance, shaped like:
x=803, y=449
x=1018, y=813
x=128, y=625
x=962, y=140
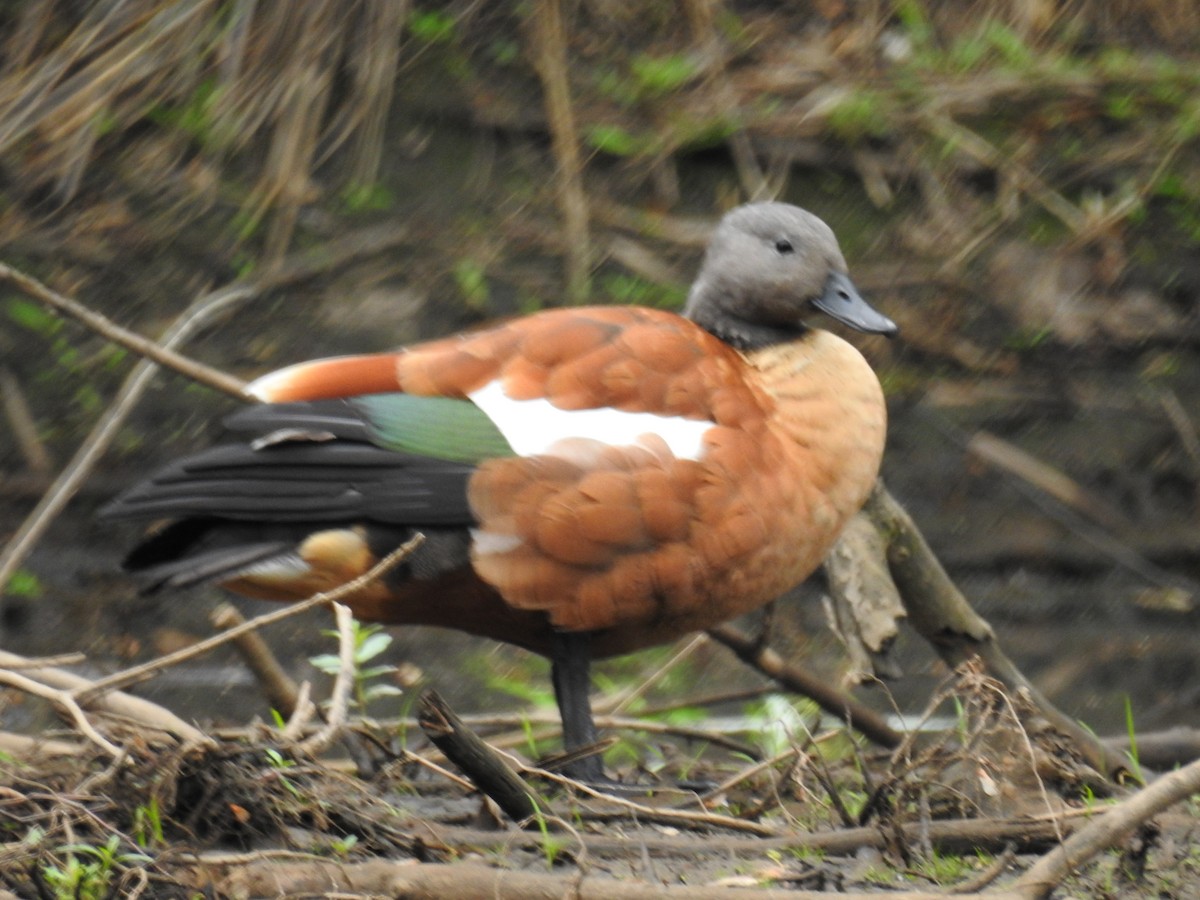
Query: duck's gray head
x=767, y=266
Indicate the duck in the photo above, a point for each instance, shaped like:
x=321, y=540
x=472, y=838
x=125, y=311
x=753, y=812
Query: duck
x=589, y=481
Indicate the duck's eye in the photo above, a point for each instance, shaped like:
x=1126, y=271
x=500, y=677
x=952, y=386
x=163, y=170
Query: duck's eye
x=783, y=245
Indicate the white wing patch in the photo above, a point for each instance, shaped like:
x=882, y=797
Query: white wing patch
x=538, y=427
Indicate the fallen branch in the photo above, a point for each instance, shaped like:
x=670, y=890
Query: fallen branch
x=147, y=714
x=280, y=690
x=486, y=768
x=942, y=615
x=471, y=881
x=1106, y=831
x=66, y=703
x=794, y=678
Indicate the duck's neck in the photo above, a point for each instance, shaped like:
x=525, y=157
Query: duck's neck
x=708, y=306
x=742, y=335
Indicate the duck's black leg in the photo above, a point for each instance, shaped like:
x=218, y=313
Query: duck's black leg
x=570, y=670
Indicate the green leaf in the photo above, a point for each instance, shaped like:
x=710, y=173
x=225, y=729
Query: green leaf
x=432, y=26
x=24, y=583
x=33, y=317
x=327, y=663
x=615, y=140
x=372, y=646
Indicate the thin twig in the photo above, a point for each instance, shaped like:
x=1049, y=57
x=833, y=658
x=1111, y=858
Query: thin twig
x=144, y=712
x=748, y=773
x=146, y=670
x=105, y=430
x=551, y=63
x=687, y=650
x=41, y=662
x=22, y=425
x=302, y=713
x=795, y=678
x=489, y=769
x=196, y=316
x=276, y=684
x=984, y=152
x=339, y=700
x=65, y=700
x=657, y=814
x=163, y=354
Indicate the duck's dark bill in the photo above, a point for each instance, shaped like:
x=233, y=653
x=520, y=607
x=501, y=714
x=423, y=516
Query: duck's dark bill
x=843, y=302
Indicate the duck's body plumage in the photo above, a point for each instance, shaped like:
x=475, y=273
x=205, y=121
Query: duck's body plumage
x=622, y=473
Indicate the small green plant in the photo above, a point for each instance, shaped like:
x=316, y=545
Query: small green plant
x=369, y=642
x=552, y=844
x=943, y=868
x=32, y=317
x=658, y=75
x=147, y=825
x=281, y=764
x=343, y=846
x=1135, y=766
x=617, y=141
x=24, y=583
x=87, y=871
x=373, y=197
x=432, y=26
x=859, y=113
x=471, y=278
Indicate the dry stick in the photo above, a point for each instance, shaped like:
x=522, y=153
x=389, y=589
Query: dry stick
x=632, y=696
x=485, y=767
x=953, y=836
x=1106, y=830
x=710, y=47
x=144, y=347
x=987, y=874
x=22, y=424
x=1161, y=750
x=748, y=773
x=339, y=699
x=473, y=881
x=142, y=711
x=794, y=678
x=607, y=723
x=1185, y=428
x=982, y=151
x=104, y=431
x=24, y=745
x=739, y=695
x=355, y=244
x=146, y=670
x=280, y=690
x=303, y=711
x=66, y=702
x=1066, y=490
x=942, y=615
x=40, y=662
x=658, y=814
x=550, y=41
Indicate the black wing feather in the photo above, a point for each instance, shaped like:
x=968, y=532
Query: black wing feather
x=314, y=464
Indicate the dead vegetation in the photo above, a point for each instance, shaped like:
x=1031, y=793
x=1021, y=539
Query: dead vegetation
x=1022, y=176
